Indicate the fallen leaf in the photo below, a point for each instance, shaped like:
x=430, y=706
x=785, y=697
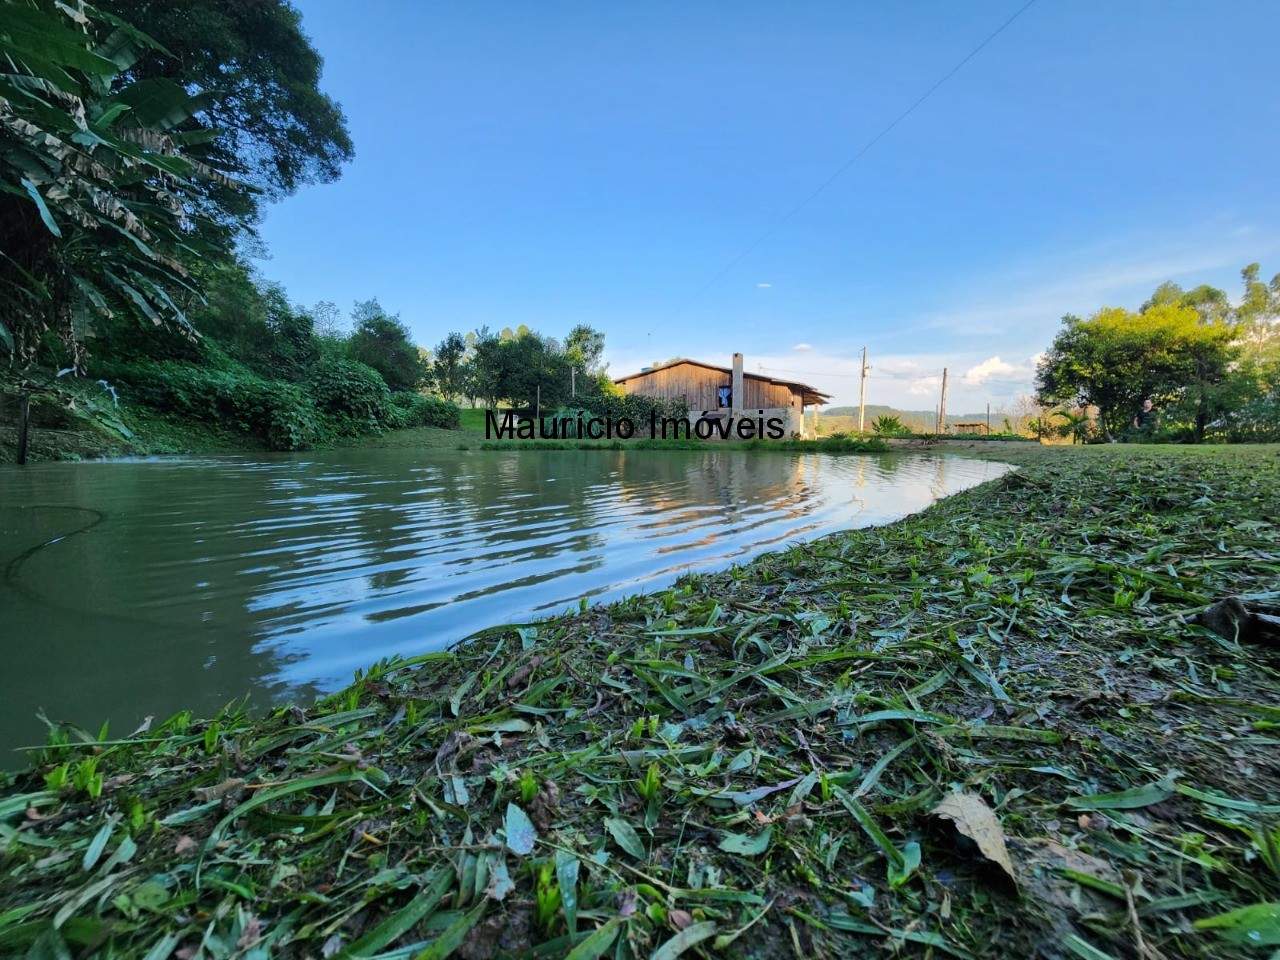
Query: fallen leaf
x=625, y=836
x=500, y=882
x=745, y=844
x=977, y=821
x=521, y=833
x=679, y=919
x=185, y=846
x=544, y=805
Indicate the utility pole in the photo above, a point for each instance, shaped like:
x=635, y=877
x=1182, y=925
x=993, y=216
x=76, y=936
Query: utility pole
x=573, y=383
x=537, y=404
x=942, y=407
x=862, y=394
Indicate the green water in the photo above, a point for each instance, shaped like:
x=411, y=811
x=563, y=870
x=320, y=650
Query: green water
x=136, y=588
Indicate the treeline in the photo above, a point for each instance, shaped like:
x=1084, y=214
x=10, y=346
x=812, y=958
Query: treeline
x=537, y=375
x=1210, y=366
x=521, y=368
x=268, y=369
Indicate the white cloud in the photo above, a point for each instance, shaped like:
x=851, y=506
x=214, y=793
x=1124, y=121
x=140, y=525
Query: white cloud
x=991, y=367
x=802, y=346
x=764, y=286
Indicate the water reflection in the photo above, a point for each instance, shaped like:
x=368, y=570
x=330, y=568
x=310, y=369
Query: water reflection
x=209, y=579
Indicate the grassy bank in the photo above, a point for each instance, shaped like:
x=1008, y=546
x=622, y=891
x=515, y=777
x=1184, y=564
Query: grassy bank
x=137, y=430
x=746, y=763
x=130, y=429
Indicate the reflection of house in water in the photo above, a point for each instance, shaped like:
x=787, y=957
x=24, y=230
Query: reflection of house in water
x=714, y=393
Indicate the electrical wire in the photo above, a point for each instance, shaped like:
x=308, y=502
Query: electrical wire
x=852, y=160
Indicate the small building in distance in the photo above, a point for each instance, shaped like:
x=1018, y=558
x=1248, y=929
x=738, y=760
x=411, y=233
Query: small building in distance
x=713, y=392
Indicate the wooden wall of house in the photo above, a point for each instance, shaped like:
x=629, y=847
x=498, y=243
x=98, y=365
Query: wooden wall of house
x=760, y=394
x=699, y=386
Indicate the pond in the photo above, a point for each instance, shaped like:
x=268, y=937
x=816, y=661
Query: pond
x=143, y=587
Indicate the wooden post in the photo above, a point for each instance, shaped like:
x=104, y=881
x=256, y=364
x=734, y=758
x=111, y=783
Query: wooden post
x=862, y=395
x=537, y=404
x=573, y=381
x=24, y=422
x=942, y=407
x=736, y=388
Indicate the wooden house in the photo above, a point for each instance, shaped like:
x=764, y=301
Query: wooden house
x=713, y=392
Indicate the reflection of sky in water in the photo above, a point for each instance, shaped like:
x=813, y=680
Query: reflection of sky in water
x=285, y=573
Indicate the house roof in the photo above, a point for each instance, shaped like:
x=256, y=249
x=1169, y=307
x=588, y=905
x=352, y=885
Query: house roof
x=809, y=394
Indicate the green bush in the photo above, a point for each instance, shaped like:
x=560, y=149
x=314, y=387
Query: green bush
x=353, y=394
x=1257, y=421
x=889, y=426
x=414, y=410
x=279, y=413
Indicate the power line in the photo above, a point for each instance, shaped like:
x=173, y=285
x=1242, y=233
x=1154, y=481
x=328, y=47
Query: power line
x=890, y=375
x=809, y=373
x=857, y=156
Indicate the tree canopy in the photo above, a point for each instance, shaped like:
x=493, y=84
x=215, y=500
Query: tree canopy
x=267, y=120
x=524, y=367
x=448, y=367
x=382, y=342
x=1116, y=358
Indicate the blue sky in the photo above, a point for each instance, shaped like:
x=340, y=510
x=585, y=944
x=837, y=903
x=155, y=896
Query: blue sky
x=604, y=163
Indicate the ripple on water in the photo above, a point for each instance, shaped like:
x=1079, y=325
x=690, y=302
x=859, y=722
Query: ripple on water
x=282, y=574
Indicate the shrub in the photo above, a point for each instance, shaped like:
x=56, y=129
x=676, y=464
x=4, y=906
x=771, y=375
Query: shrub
x=889, y=426
x=279, y=413
x=1257, y=421
x=415, y=410
x=353, y=394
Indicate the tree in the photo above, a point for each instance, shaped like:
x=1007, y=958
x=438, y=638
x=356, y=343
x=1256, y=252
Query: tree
x=482, y=376
x=382, y=342
x=327, y=319
x=1116, y=358
x=97, y=187
x=534, y=371
x=293, y=344
x=584, y=347
x=258, y=75
x=1259, y=315
x=447, y=367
